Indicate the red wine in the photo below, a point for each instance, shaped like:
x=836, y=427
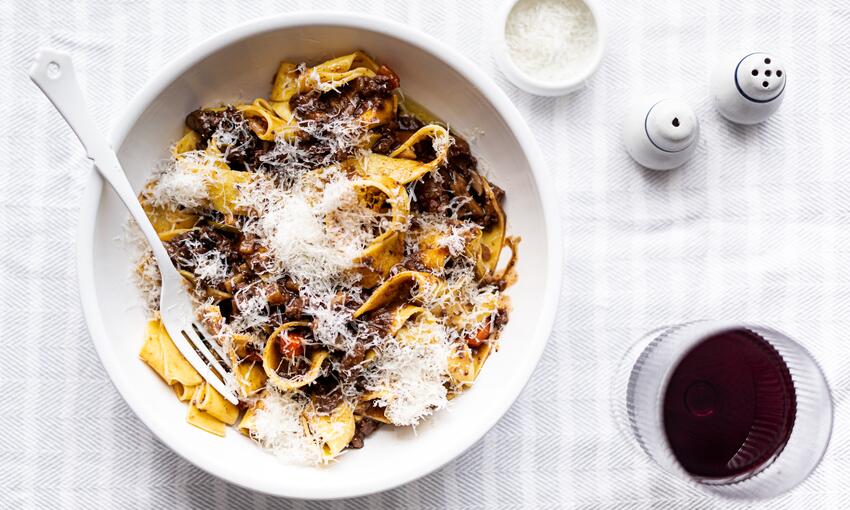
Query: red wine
x=730, y=406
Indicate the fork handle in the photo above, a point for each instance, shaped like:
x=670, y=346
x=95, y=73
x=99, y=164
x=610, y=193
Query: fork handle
x=54, y=74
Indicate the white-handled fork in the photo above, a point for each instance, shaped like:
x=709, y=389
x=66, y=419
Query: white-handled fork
x=54, y=74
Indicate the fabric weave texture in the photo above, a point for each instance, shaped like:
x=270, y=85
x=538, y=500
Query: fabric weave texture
x=754, y=228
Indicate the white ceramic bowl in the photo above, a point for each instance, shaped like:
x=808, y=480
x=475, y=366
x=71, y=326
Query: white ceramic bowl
x=238, y=65
x=537, y=86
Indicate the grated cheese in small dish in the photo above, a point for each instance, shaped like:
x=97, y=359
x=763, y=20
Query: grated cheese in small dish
x=550, y=47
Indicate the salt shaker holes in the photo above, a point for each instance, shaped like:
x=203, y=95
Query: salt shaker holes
x=748, y=87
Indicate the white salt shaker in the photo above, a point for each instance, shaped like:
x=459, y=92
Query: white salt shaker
x=661, y=133
x=748, y=88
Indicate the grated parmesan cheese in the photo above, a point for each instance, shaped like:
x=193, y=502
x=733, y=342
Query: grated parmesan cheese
x=340, y=135
x=230, y=130
x=149, y=280
x=211, y=267
x=457, y=237
x=293, y=225
x=412, y=378
x=146, y=271
x=253, y=311
x=277, y=426
x=551, y=39
x=183, y=181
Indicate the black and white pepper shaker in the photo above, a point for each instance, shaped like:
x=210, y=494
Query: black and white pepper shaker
x=661, y=133
x=748, y=88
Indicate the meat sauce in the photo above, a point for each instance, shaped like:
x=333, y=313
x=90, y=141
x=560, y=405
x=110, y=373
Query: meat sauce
x=454, y=188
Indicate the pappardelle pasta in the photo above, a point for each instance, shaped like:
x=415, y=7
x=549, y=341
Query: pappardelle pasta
x=343, y=250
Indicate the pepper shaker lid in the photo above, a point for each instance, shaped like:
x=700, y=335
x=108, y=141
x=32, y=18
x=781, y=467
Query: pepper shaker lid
x=760, y=77
x=748, y=88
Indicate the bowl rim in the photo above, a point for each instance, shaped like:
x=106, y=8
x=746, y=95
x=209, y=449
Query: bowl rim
x=450, y=57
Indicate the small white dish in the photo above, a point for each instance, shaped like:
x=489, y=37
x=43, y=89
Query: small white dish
x=537, y=86
x=237, y=65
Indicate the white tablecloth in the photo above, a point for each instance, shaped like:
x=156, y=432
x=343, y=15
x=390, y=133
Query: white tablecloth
x=756, y=227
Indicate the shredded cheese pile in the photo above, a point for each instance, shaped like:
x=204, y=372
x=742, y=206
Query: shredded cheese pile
x=211, y=267
x=278, y=428
x=183, y=181
x=413, y=377
x=292, y=224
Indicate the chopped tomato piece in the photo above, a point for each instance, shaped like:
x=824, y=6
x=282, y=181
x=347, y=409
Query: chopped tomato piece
x=480, y=336
x=291, y=345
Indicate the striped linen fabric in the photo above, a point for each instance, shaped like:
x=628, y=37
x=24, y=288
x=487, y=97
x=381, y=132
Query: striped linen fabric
x=754, y=228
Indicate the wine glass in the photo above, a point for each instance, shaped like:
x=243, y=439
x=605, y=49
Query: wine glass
x=740, y=409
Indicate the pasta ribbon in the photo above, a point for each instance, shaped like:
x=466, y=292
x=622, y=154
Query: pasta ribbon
x=381, y=114
x=247, y=423
x=378, y=190
x=284, y=87
x=380, y=257
x=386, y=250
x=398, y=166
x=327, y=76
x=465, y=364
x=405, y=286
x=401, y=316
x=164, y=219
x=162, y=355
x=184, y=393
x=208, y=410
x=205, y=421
x=207, y=399
x=222, y=184
x=223, y=187
x=250, y=378
x=334, y=73
x=171, y=234
x=462, y=366
x=431, y=253
x=481, y=354
x=421, y=327
x=367, y=408
x=187, y=143
x=488, y=247
x=264, y=120
x=208, y=405
x=332, y=431
x=272, y=360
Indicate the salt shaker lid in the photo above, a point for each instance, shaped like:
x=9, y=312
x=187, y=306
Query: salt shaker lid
x=760, y=77
x=660, y=133
x=671, y=125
